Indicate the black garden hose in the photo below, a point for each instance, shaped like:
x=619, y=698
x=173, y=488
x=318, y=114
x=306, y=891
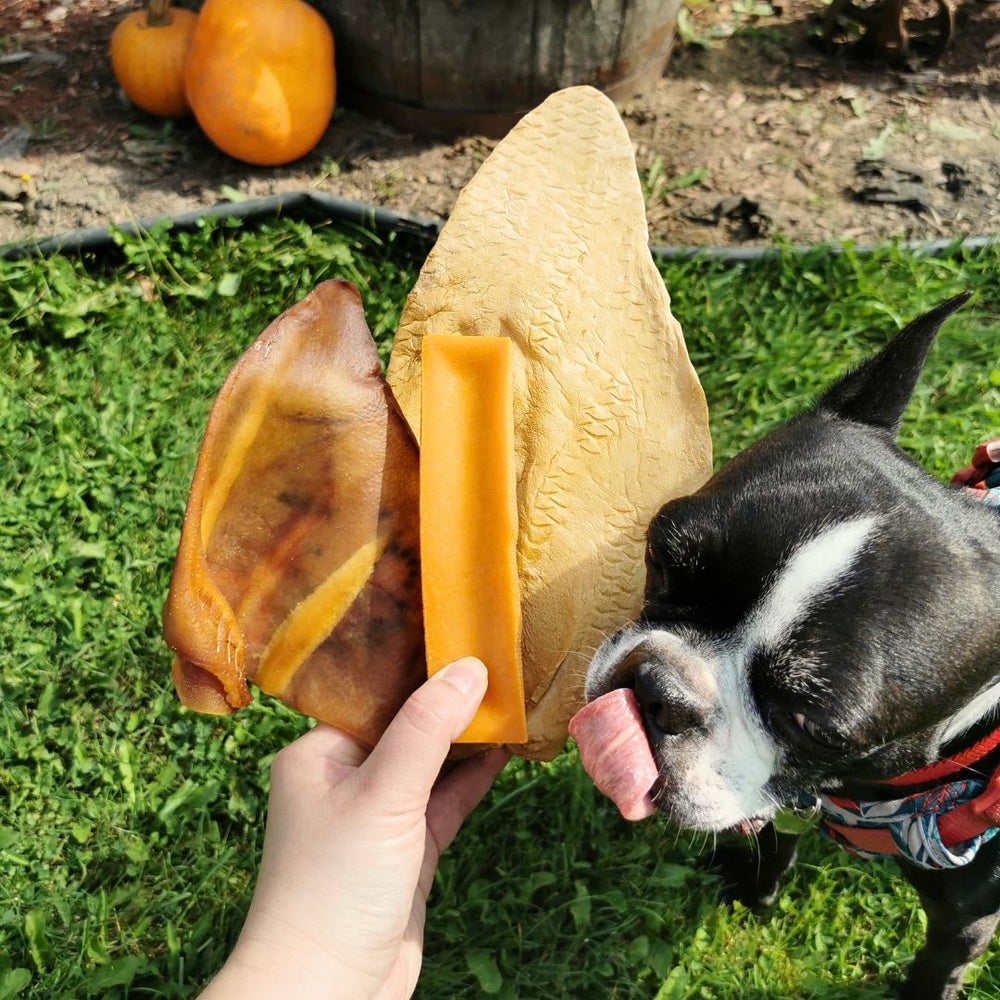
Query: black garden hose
x=317, y=205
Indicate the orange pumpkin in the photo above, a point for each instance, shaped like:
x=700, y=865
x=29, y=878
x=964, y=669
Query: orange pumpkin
x=148, y=55
x=260, y=78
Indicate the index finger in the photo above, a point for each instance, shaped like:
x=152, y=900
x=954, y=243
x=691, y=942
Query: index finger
x=406, y=761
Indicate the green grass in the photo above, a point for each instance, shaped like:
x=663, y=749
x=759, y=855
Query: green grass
x=131, y=828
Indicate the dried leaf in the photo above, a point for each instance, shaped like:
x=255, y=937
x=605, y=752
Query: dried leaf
x=954, y=131
x=876, y=148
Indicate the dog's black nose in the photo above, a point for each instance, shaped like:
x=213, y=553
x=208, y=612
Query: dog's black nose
x=666, y=705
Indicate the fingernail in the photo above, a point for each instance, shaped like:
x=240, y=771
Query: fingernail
x=467, y=675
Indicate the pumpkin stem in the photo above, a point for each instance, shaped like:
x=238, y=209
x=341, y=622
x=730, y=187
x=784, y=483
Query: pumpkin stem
x=158, y=13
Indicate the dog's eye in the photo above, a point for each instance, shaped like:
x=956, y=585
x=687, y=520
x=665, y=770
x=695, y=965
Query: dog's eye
x=656, y=577
x=826, y=738
x=654, y=561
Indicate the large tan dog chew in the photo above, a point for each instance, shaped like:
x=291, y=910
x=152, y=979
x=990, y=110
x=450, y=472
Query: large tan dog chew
x=548, y=245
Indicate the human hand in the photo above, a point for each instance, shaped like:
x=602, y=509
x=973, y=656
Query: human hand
x=351, y=846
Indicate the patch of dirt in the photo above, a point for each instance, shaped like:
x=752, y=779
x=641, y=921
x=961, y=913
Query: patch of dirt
x=755, y=132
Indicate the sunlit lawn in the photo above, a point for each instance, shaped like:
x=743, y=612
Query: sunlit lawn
x=131, y=828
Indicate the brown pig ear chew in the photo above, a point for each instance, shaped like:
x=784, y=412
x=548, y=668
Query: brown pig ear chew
x=298, y=566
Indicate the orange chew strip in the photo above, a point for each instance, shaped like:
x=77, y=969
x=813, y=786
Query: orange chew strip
x=468, y=523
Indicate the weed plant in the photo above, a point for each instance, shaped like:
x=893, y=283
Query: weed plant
x=131, y=828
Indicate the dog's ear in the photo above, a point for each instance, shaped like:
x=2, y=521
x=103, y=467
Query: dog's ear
x=877, y=392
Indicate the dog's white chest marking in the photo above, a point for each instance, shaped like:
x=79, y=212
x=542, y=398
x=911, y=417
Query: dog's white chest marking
x=985, y=701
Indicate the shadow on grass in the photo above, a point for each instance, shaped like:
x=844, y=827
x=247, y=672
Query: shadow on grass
x=574, y=902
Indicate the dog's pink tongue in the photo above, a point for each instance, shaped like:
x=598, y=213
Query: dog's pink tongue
x=615, y=752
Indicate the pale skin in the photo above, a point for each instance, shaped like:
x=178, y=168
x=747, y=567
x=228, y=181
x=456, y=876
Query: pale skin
x=350, y=849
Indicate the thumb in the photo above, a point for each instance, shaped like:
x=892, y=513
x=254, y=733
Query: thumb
x=407, y=759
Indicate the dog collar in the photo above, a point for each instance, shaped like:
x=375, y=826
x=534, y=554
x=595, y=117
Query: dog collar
x=944, y=826
x=940, y=827
x=982, y=477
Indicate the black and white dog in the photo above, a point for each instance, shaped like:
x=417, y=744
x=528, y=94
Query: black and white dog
x=823, y=616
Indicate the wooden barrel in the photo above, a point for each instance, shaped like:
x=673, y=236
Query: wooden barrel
x=446, y=67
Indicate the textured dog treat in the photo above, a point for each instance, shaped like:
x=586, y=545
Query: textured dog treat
x=298, y=566
x=548, y=246
x=615, y=752
x=468, y=524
